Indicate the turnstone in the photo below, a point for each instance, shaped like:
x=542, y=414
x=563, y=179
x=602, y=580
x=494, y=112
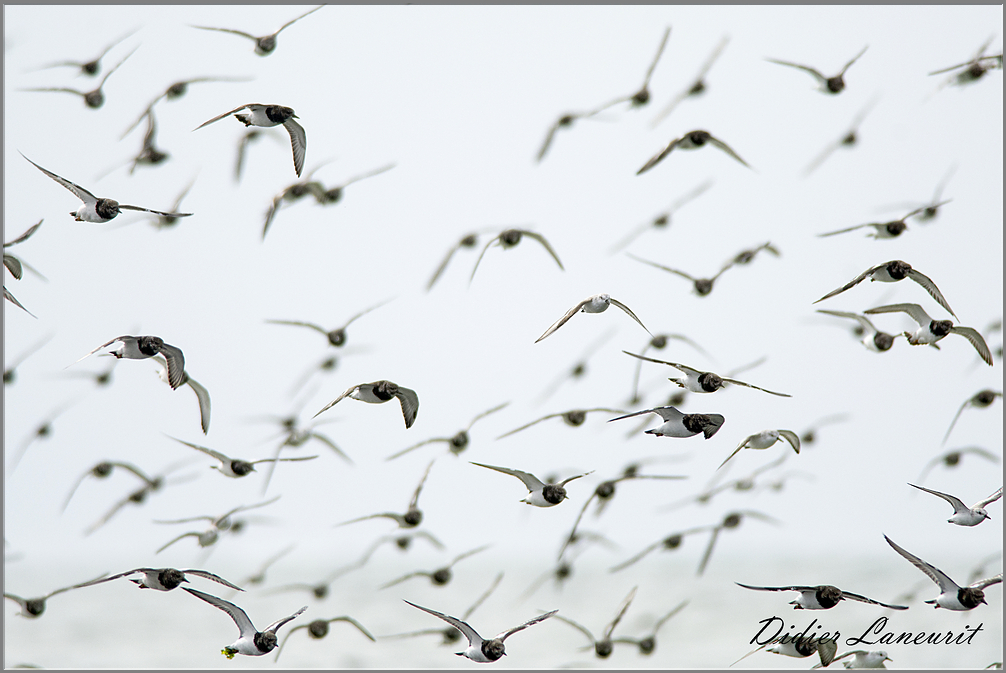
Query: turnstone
x=821, y=597
x=177, y=90
x=34, y=607
x=697, y=381
x=337, y=336
x=765, y=439
x=272, y=115
x=143, y=347
x=832, y=85
x=267, y=43
x=440, y=576
x=873, y=339
x=697, y=86
x=450, y=635
x=677, y=424
x=979, y=400
x=163, y=579
x=236, y=467
x=202, y=395
x=603, y=646
x=690, y=141
x=892, y=272
x=952, y=597
x=458, y=442
x=413, y=515
x=93, y=99
x=251, y=642
x=540, y=494
x=481, y=650
x=930, y=331
x=891, y=229
x=964, y=515
x=379, y=392
x=511, y=237
x=597, y=303
x=95, y=209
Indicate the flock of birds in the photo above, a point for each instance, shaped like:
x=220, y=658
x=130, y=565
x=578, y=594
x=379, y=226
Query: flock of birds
x=544, y=491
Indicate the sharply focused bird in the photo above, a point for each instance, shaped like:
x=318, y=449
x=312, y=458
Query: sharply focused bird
x=267, y=43
x=597, y=303
x=832, y=85
x=379, y=392
x=821, y=597
x=540, y=494
x=95, y=209
x=272, y=115
x=952, y=597
x=964, y=515
x=163, y=579
x=892, y=272
x=251, y=641
x=143, y=347
x=765, y=439
x=698, y=381
x=930, y=331
x=677, y=424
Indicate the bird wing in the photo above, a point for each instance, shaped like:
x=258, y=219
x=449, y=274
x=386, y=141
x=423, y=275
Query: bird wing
x=748, y=586
x=541, y=239
x=659, y=156
x=656, y=59
x=615, y=302
x=125, y=206
x=976, y=340
x=27, y=234
x=637, y=557
x=210, y=576
x=709, y=548
x=204, y=403
x=175, y=362
x=818, y=76
x=530, y=481
x=579, y=627
x=240, y=107
x=13, y=265
x=847, y=229
x=931, y=288
x=748, y=385
x=566, y=481
x=419, y=489
x=549, y=136
x=503, y=635
x=469, y=553
x=932, y=572
x=275, y=626
x=861, y=319
x=655, y=410
x=483, y=597
x=479, y=260
x=298, y=141
x=410, y=405
x=726, y=148
x=180, y=537
x=330, y=444
x=992, y=498
x=852, y=283
x=789, y=435
x=282, y=460
x=299, y=323
x=864, y=599
x=914, y=310
x=210, y=452
x=564, y=319
x=337, y=400
x=854, y=59
x=734, y=453
x=78, y=191
x=443, y=265
x=959, y=506
x=475, y=420
x=661, y=266
x=108, y=343
x=981, y=584
x=621, y=612
x=297, y=19
x=474, y=639
x=103, y=579
x=416, y=446
x=528, y=425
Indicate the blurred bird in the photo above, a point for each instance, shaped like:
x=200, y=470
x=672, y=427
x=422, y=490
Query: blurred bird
x=862, y=659
x=290, y=195
x=930, y=331
x=648, y=643
x=690, y=141
x=642, y=96
x=139, y=496
x=251, y=642
x=891, y=229
x=93, y=66
x=379, y=392
x=440, y=576
x=974, y=69
x=730, y=521
x=670, y=542
x=41, y=431
x=953, y=458
x=663, y=219
x=95, y=209
x=318, y=629
x=336, y=337
x=964, y=515
x=565, y=121
x=580, y=367
x=540, y=494
x=597, y=303
x=697, y=86
x=508, y=239
x=34, y=607
x=831, y=85
x=458, y=442
x=798, y=647
x=481, y=650
x=765, y=439
x=413, y=515
x=848, y=139
x=892, y=272
x=327, y=196
x=93, y=99
x=266, y=44
x=10, y=366
x=469, y=240
x=952, y=597
x=703, y=286
x=873, y=339
x=271, y=115
x=603, y=646
x=103, y=470
x=573, y=418
x=980, y=400
x=176, y=91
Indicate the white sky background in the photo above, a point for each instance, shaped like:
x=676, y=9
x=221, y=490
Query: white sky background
x=460, y=100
